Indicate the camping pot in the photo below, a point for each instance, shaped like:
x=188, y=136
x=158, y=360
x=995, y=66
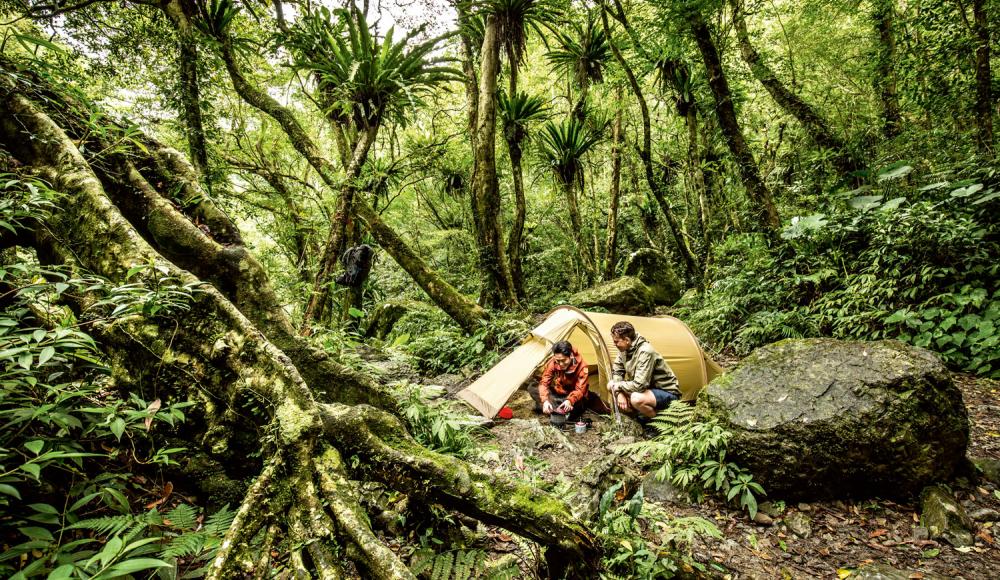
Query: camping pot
x=581, y=427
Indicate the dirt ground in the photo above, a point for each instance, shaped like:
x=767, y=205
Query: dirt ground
x=839, y=537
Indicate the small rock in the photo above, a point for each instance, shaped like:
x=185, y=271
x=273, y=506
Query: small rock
x=763, y=519
x=920, y=533
x=944, y=517
x=799, y=523
x=662, y=491
x=804, y=507
x=985, y=515
x=769, y=508
x=989, y=468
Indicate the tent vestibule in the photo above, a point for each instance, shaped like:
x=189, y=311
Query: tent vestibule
x=590, y=333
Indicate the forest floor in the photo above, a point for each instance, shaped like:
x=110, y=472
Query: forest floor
x=802, y=540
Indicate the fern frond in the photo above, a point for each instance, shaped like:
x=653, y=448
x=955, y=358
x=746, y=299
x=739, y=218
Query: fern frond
x=185, y=545
x=105, y=526
x=218, y=523
x=183, y=517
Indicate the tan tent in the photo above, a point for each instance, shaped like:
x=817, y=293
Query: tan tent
x=590, y=332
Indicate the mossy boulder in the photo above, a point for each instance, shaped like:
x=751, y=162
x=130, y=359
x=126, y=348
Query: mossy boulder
x=823, y=418
x=654, y=270
x=627, y=295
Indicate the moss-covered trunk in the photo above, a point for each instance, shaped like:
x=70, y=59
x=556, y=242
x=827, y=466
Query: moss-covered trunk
x=498, y=287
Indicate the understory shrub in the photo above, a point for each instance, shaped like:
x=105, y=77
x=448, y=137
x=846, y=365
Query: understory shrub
x=641, y=540
x=73, y=447
x=915, y=263
x=691, y=454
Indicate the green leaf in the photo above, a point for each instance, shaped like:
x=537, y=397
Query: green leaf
x=129, y=566
x=62, y=572
x=892, y=172
x=933, y=552
x=46, y=354
x=25, y=360
x=35, y=446
x=36, y=533
x=32, y=468
x=118, y=427
x=355, y=313
x=9, y=490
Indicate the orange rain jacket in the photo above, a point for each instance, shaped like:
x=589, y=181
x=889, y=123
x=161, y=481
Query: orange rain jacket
x=571, y=383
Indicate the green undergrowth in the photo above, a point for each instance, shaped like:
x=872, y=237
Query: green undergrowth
x=642, y=541
x=914, y=259
x=437, y=345
x=438, y=423
x=691, y=454
x=80, y=494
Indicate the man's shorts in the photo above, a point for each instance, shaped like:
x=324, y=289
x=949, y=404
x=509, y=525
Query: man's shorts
x=663, y=398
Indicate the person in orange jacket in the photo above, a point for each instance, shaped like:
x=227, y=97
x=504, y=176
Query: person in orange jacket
x=563, y=387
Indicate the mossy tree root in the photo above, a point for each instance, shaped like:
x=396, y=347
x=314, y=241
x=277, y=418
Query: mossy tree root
x=388, y=454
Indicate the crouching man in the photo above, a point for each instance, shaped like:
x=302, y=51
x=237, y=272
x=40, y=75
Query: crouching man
x=563, y=391
x=641, y=381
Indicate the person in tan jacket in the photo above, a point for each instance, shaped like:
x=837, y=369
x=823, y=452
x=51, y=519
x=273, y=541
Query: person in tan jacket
x=641, y=381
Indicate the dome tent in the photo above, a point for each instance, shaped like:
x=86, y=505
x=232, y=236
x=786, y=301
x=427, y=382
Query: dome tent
x=590, y=333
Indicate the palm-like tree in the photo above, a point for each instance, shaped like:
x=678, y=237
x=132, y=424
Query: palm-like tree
x=581, y=55
x=364, y=78
x=561, y=147
x=363, y=81
x=516, y=111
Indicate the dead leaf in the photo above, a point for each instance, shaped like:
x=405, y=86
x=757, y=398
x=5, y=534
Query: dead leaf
x=985, y=536
x=151, y=411
x=168, y=488
x=879, y=532
x=916, y=576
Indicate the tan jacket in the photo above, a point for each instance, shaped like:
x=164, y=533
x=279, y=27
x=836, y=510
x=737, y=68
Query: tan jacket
x=640, y=368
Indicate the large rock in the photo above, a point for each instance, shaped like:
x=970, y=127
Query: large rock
x=653, y=268
x=820, y=418
x=627, y=295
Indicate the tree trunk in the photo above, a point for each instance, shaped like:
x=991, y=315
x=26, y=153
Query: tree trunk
x=498, y=287
x=215, y=353
x=884, y=15
x=587, y=266
x=611, y=250
x=646, y=156
x=984, y=81
x=179, y=13
x=516, y=236
x=339, y=226
x=760, y=195
x=465, y=312
x=514, y=136
x=815, y=125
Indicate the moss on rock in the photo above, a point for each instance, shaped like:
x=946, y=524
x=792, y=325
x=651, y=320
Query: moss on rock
x=653, y=268
x=816, y=418
x=627, y=295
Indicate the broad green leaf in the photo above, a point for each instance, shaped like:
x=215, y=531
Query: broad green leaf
x=46, y=354
x=35, y=446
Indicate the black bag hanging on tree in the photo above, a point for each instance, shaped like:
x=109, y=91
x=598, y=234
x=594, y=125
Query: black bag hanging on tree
x=357, y=262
